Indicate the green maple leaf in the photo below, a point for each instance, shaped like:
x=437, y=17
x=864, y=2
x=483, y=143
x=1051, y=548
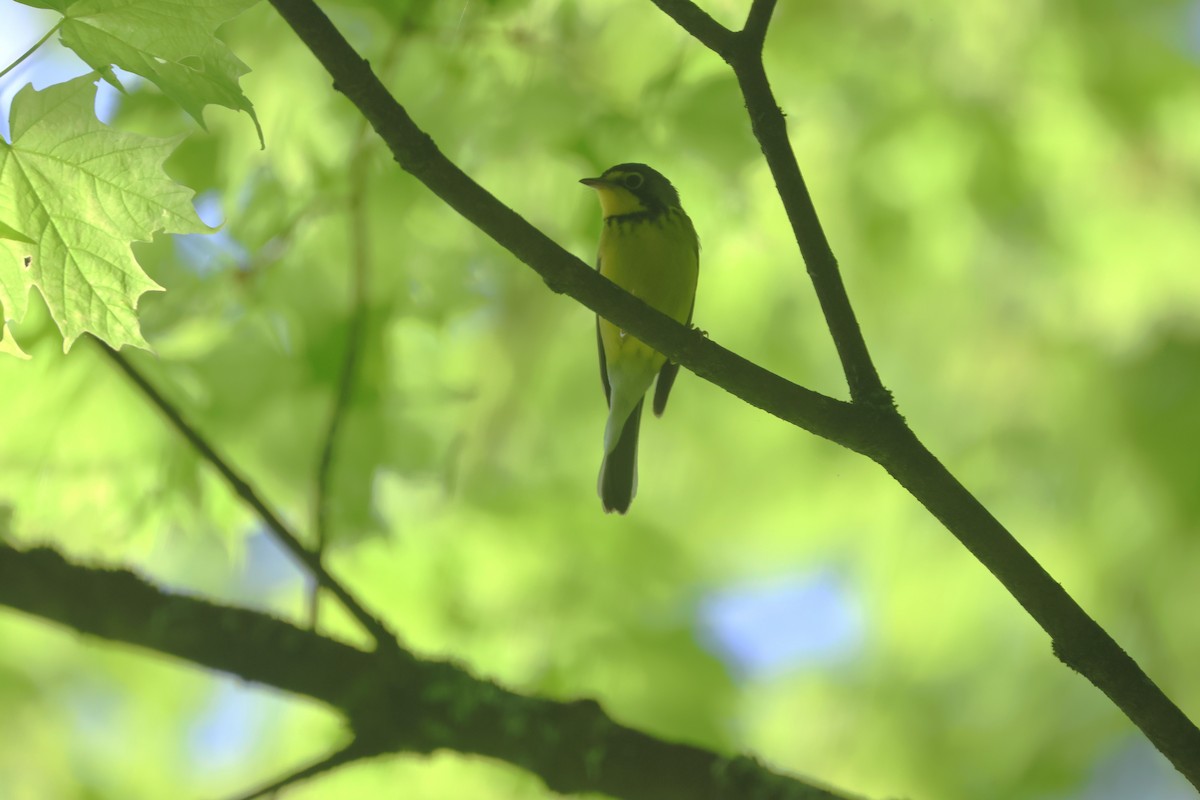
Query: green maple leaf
x=168, y=43
x=73, y=195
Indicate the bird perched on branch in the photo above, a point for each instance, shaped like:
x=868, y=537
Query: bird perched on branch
x=650, y=249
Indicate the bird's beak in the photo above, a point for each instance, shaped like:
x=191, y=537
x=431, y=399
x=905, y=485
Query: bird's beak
x=615, y=199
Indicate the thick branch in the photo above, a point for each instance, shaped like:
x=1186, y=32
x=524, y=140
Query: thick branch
x=393, y=701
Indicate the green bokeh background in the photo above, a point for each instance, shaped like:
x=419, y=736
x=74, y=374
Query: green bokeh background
x=1013, y=192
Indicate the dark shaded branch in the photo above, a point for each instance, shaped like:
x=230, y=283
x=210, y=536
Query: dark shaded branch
x=744, y=54
x=393, y=701
x=770, y=128
x=1077, y=639
x=279, y=529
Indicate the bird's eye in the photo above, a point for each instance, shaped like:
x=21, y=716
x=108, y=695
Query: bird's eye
x=633, y=180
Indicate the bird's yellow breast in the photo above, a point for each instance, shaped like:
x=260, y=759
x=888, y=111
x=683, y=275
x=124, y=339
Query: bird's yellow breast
x=655, y=259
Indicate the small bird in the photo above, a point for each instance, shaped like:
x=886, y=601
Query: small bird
x=650, y=249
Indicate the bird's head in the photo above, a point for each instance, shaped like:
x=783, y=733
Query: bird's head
x=632, y=189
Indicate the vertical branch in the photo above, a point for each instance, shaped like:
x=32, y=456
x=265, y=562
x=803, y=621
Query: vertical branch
x=359, y=234
x=360, y=268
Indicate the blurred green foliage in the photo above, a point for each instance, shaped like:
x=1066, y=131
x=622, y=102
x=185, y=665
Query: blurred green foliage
x=1012, y=191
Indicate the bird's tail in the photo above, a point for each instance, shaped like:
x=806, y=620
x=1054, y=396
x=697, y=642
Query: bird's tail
x=618, y=471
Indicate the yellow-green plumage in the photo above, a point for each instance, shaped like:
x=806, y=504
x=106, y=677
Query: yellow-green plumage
x=649, y=248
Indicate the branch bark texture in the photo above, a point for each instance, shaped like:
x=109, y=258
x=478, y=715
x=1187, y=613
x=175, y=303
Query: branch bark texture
x=393, y=701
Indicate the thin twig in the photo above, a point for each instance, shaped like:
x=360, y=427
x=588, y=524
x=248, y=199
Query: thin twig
x=347, y=755
x=770, y=128
x=383, y=638
x=359, y=268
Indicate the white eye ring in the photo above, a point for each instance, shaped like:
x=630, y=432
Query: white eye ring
x=633, y=180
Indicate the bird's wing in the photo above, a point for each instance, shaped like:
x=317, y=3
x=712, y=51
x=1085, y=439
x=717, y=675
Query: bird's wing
x=666, y=375
x=604, y=365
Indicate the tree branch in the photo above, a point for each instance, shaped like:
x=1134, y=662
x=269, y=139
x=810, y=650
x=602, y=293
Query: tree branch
x=243, y=489
x=1076, y=639
x=349, y=367
x=744, y=55
x=770, y=128
x=393, y=701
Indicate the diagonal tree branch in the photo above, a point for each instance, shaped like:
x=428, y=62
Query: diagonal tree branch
x=770, y=128
x=393, y=701
x=1076, y=639
x=279, y=529
x=870, y=425
x=744, y=55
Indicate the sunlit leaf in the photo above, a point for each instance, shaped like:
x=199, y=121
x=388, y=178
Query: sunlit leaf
x=84, y=192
